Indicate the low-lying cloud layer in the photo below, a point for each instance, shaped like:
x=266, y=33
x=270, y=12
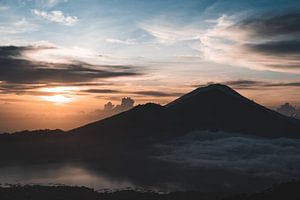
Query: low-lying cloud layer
x=264, y=158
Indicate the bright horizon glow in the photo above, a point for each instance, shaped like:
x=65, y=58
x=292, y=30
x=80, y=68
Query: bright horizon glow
x=57, y=99
x=58, y=89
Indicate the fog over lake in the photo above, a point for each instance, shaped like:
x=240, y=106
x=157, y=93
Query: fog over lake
x=195, y=160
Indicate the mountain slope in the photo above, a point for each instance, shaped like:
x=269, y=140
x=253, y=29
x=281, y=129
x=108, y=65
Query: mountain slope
x=216, y=107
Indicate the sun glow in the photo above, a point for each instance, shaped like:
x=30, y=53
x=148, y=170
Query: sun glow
x=58, y=95
x=57, y=99
x=58, y=89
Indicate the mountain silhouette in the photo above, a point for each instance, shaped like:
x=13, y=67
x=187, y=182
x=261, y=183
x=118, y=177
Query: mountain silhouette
x=215, y=107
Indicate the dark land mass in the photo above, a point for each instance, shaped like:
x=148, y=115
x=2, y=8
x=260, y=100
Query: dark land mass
x=289, y=190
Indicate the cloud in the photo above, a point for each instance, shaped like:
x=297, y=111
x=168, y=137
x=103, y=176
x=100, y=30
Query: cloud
x=101, y=91
x=253, y=84
x=168, y=33
x=289, y=110
x=110, y=109
x=277, y=47
x=260, y=41
x=157, y=94
x=3, y=8
x=14, y=51
x=50, y=3
x=267, y=26
x=142, y=93
x=17, y=72
x=260, y=84
x=126, y=103
x=240, y=154
x=118, y=41
x=57, y=16
x=20, y=26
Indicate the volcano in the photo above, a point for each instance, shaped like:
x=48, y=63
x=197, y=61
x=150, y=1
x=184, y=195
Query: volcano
x=215, y=107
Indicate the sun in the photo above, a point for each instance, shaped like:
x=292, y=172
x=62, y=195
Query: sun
x=58, y=95
x=57, y=99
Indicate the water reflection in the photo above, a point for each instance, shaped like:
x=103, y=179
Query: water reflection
x=66, y=174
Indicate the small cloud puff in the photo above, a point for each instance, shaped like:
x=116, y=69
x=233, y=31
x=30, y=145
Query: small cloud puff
x=56, y=16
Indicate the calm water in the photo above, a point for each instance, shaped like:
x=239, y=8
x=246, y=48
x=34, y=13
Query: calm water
x=67, y=174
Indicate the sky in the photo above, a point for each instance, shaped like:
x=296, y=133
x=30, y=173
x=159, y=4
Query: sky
x=62, y=61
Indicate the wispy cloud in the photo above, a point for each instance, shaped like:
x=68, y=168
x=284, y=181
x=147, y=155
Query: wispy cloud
x=255, y=42
x=3, y=8
x=258, y=42
x=56, y=16
x=118, y=41
x=157, y=93
x=254, y=84
x=50, y=3
x=168, y=33
x=20, y=26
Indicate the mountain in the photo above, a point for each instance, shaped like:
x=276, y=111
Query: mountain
x=215, y=107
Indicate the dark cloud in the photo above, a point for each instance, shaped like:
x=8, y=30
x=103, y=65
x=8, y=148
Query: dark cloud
x=100, y=91
x=275, y=37
x=244, y=84
x=277, y=47
x=251, y=84
x=292, y=84
x=6, y=88
x=13, y=51
x=286, y=24
x=143, y=93
x=24, y=71
x=157, y=94
x=16, y=70
x=284, y=66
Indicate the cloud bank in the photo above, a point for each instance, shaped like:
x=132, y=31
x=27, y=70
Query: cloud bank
x=240, y=154
x=18, y=73
x=257, y=41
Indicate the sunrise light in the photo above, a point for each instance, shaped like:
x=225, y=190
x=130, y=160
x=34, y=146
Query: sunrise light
x=57, y=99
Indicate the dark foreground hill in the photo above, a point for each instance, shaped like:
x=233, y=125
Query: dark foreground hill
x=288, y=190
